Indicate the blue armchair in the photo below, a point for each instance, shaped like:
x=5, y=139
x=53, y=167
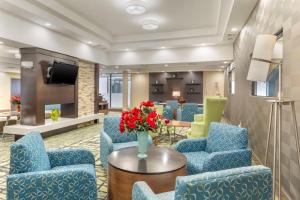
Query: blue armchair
x=224, y=148
x=57, y=174
x=253, y=182
x=112, y=140
x=187, y=112
x=169, y=109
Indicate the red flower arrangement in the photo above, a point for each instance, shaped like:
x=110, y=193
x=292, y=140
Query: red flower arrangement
x=15, y=100
x=143, y=118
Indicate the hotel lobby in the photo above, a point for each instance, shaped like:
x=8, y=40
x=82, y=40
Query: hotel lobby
x=149, y=99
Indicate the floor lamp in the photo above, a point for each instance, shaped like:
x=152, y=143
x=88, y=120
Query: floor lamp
x=258, y=71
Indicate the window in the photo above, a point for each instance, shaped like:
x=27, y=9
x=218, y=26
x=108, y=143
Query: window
x=111, y=89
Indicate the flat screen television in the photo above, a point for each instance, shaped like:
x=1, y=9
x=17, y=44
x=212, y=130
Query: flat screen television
x=62, y=73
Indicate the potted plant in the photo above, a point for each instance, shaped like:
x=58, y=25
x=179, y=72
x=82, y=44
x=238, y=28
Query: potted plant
x=16, y=101
x=140, y=121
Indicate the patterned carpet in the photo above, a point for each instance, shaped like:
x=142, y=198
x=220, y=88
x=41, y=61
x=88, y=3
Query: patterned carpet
x=87, y=137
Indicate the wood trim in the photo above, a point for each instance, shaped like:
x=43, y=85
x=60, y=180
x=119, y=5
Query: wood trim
x=96, y=88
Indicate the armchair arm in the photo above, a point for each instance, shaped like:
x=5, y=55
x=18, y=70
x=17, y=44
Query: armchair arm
x=141, y=191
x=228, y=159
x=200, y=110
x=168, y=113
x=198, y=117
x=179, y=114
x=191, y=145
x=64, y=183
x=62, y=157
x=106, y=147
x=197, y=130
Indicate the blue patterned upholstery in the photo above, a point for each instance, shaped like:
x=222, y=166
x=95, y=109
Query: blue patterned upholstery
x=29, y=155
x=112, y=140
x=217, y=153
x=187, y=112
x=225, y=137
x=58, y=174
x=111, y=127
x=254, y=182
x=171, y=105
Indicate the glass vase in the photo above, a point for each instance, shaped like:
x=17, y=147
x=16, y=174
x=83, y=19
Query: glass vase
x=142, y=138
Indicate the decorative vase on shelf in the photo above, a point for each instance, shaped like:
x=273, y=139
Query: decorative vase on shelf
x=142, y=138
x=55, y=114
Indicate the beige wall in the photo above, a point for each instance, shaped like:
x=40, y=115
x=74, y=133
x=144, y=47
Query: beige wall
x=86, y=88
x=269, y=17
x=5, y=92
x=209, y=83
x=139, y=88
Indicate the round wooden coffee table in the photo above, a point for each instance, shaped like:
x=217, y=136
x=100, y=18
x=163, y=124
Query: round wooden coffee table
x=159, y=170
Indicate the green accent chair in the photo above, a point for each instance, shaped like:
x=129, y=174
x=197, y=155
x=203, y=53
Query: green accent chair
x=159, y=109
x=213, y=110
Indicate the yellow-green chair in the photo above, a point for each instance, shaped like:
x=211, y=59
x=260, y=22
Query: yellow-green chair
x=159, y=109
x=213, y=110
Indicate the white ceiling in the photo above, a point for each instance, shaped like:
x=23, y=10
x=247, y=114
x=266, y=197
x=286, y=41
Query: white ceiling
x=107, y=25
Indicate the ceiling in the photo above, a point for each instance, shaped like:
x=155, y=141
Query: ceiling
x=106, y=25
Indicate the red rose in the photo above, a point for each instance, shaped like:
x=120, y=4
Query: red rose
x=167, y=121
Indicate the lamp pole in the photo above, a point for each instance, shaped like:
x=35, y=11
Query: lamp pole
x=276, y=105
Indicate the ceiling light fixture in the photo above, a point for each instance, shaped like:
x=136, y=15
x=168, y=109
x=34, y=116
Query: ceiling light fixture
x=162, y=47
x=48, y=24
x=234, y=29
x=166, y=65
x=150, y=24
x=135, y=9
x=90, y=42
x=162, y=71
x=1, y=42
x=126, y=49
x=225, y=62
x=117, y=67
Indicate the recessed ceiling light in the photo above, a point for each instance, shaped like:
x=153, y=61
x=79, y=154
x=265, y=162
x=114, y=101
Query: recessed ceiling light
x=166, y=65
x=135, y=9
x=225, y=62
x=1, y=42
x=90, y=42
x=162, y=71
x=150, y=24
x=126, y=49
x=48, y=24
x=117, y=67
x=14, y=51
x=190, y=70
x=103, y=67
x=162, y=47
x=202, y=44
x=234, y=29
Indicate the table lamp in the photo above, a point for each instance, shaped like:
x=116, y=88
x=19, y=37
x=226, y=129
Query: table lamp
x=176, y=94
x=258, y=71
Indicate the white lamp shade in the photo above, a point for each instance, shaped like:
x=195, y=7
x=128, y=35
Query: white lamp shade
x=263, y=49
x=258, y=71
x=176, y=93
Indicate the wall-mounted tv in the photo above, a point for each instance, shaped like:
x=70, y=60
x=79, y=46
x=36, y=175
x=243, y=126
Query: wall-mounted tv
x=62, y=73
